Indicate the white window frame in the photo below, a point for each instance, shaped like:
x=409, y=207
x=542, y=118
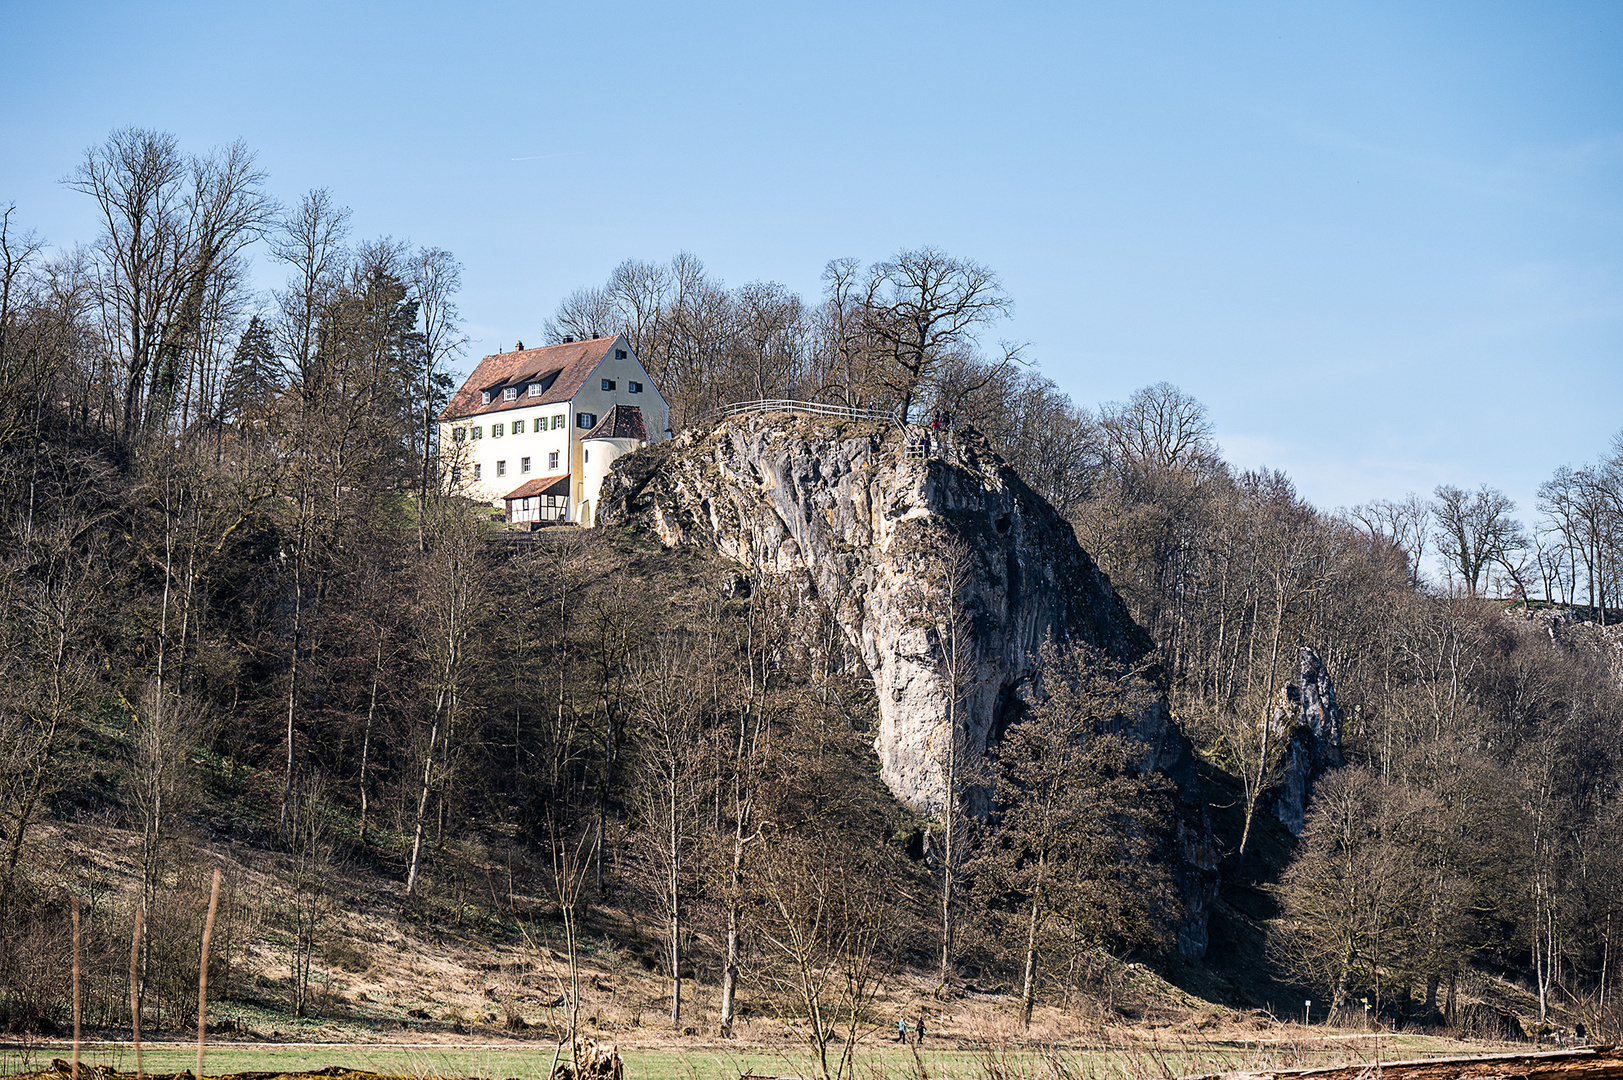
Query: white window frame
x=552, y=461
x=535, y=389
x=501, y=467
x=524, y=465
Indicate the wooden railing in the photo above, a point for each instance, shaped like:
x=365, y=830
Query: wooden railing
x=789, y=405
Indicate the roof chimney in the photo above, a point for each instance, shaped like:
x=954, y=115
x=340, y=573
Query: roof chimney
x=569, y=341
x=519, y=347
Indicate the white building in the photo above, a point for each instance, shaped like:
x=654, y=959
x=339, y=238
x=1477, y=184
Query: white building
x=535, y=430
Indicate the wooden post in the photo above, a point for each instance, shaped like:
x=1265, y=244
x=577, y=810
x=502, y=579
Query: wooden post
x=76, y=998
x=203, y=972
x=135, y=988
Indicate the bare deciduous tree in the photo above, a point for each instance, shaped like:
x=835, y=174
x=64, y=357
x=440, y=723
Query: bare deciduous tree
x=171, y=225
x=1475, y=531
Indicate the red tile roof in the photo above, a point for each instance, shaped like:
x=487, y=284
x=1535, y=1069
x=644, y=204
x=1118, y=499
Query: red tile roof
x=566, y=365
x=557, y=484
x=620, y=422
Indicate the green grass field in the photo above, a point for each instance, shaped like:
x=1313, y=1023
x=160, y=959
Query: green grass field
x=874, y=1061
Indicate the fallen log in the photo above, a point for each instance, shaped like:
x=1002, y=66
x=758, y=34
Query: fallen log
x=1582, y=1063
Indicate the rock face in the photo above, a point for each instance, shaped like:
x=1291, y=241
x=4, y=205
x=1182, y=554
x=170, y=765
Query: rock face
x=1306, y=714
x=867, y=523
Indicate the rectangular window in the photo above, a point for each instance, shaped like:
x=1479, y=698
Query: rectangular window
x=634, y=387
x=619, y=354
x=484, y=397
x=559, y=421
x=524, y=465
x=478, y=432
x=518, y=427
x=458, y=434
x=552, y=461
x=495, y=431
x=535, y=389
x=477, y=470
x=501, y=468
x=608, y=384
x=585, y=419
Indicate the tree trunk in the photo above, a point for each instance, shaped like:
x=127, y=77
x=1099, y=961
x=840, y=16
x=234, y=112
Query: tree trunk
x=1255, y=789
x=1028, y=988
x=675, y=884
x=422, y=807
x=366, y=737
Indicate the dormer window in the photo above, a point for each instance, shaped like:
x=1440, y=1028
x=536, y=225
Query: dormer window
x=608, y=384
x=484, y=397
x=510, y=393
x=535, y=389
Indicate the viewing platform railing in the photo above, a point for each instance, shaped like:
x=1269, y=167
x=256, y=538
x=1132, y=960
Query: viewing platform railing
x=789, y=405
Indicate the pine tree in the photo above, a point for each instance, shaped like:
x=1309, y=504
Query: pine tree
x=255, y=377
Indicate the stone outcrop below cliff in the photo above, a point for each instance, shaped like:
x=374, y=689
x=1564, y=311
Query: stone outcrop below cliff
x=1305, y=715
x=866, y=516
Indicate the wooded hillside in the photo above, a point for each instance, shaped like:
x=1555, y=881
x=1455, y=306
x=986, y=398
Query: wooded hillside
x=241, y=601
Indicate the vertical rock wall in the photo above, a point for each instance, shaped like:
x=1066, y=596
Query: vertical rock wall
x=865, y=526
x=1306, y=715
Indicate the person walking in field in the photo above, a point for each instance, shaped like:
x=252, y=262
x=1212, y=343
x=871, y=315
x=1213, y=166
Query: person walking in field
x=918, y=1025
x=901, y=1030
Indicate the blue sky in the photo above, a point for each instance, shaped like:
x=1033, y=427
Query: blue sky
x=1382, y=242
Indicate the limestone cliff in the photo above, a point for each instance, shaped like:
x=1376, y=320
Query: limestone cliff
x=863, y=515
x=1307, y=716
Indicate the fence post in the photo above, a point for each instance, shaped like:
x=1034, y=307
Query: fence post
x=135, y=988
x=203, y=972
x=76, y=999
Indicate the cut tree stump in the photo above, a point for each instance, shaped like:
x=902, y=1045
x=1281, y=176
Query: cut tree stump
x=598, y=1061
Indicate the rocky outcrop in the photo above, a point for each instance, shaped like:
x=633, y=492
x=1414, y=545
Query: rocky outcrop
x=867, y=516
x=1306, y=716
